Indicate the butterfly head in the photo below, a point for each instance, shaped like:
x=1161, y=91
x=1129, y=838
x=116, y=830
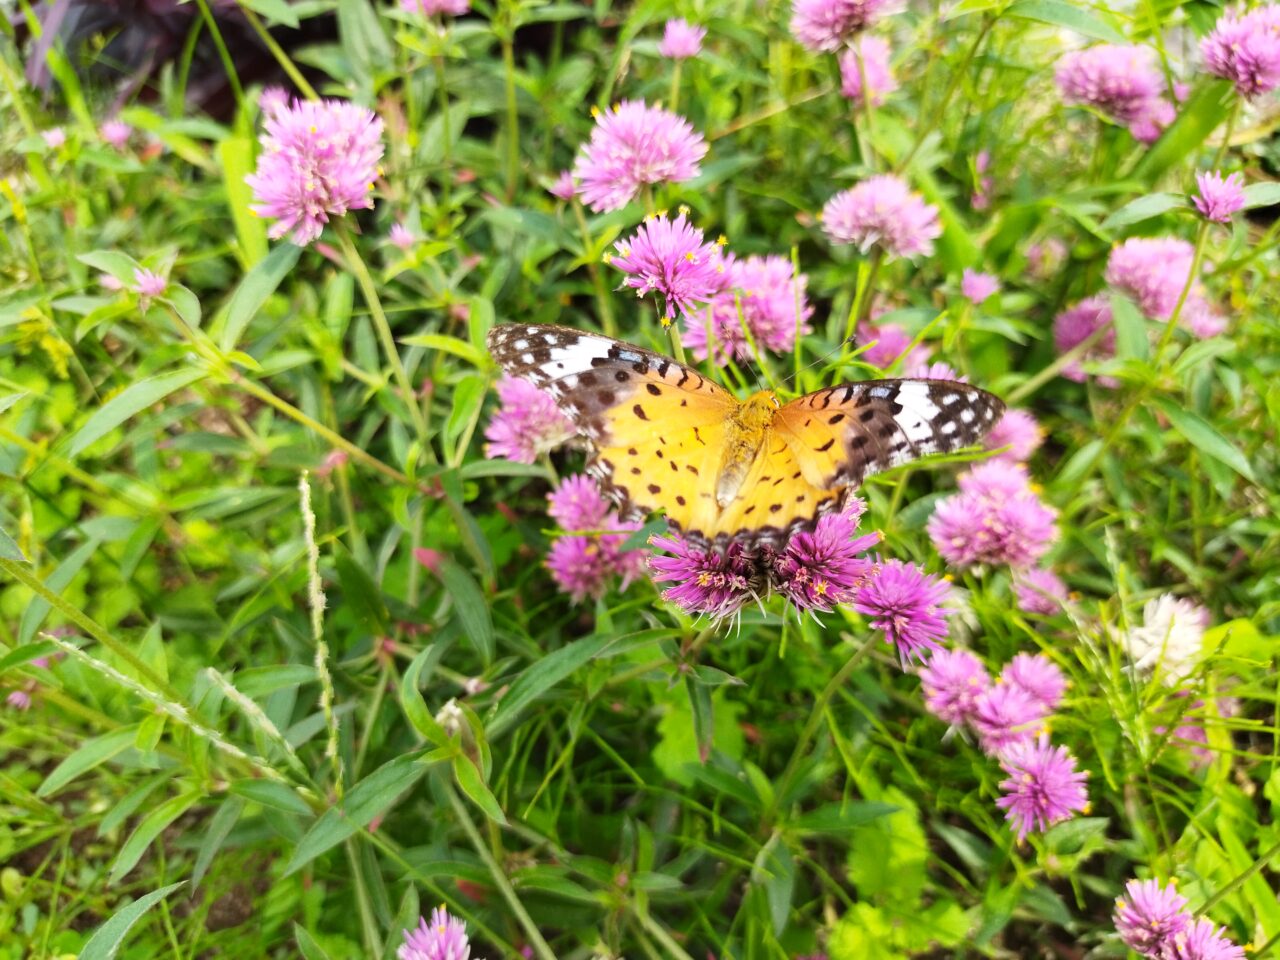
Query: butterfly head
x=758, y=409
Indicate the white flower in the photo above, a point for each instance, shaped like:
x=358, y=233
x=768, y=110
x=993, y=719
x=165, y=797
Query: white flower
x=1169, y=639
x=451, y=718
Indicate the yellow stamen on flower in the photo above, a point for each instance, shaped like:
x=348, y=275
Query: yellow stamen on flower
x=595, y=112
x=683, y=209
x=667, y=321
x=721, y=240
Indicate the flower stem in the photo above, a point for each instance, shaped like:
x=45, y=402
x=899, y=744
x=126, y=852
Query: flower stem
x=603, y=302
x=277, y=51
x=513, y=116
x=1058, y=365
x=869, y=154
x=446, y=179
x=675, y=86
x=862, y=295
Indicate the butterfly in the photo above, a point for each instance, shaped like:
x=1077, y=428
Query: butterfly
x=665, y=438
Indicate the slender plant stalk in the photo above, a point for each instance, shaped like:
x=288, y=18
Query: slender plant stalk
x=228, y=65
x=604, y=303
x=282, y=58
x=513, y=114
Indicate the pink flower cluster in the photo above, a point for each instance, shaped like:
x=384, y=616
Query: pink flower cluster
x=1153, y=921
x=882, y=210
x=759, y=296
x=1244, y=47
x=681, y=40
x=590, y=554
x=671, y=259
x=1009, y=716
x=825, y=25
x=1154, y=271
x=632, y=145
x=527, y=423
x=319, y=160
x=890, y=343
x=1077, y=324
x=996, y=518
x=443, y=938
x=1220, y=196
x=1120, y=81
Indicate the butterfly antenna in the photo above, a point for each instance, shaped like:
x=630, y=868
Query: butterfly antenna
x=821, y=360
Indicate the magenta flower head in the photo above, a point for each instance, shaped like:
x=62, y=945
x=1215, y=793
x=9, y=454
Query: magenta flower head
x=54, y=137
x=824, y=25
x=1039, y=591
x=867, y=57
x=273, y=99
x=401, y=237
x=883, y=210
x=564, y=188
x=1244, y=47
x=1153, y=270
x=116, y=133
x=977, y=287
x=1005, y=715
x=1017, y=430
x=19, y=700
x=1120, y=81
x=577, y=503
x=708, y=582
x=443, y=938
x=681, y=40
x=431, y=8
x=1039, y=677
x=1043, y=787
x=319, y=159
x=906, y=604
x=996, y=518
x=1203, y=941
x=527, y=423
x=774, y=309
x=148, y=284
x=818, y=570
x=580, y=566
x=1077, y=324
x=632, y=145
x=669, y=258
x=1219, y=198
x=890, y=343
x=934, y=371
x=952, y=681
x=1149, y=916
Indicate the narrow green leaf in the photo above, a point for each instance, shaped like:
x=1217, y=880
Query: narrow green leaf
x=9, y=549
x=473, y=785
x=1131, y=328
x=363, y=39
x=57, y=581
x=258, y=284
x=89, y=755
x=146, y=832
x=543, y=674
x=25, y=654
x=411, y=702
x=117, y=264
x=236, y=161
x=186, y=303
x=447, y=344
x=273, y=794
x=133, y=400
x=307, y=945
x=471, y=607
x=1198, y=117
x=837, y=817
x=1205, y=438
x=1144, y=208
x=109, y=937
x=1261, y=195
x=11, y=399
x=219, y=827
x=277, y=11
x=1069, y=15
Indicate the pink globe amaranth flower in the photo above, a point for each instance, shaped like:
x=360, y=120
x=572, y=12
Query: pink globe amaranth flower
x=882, y=210
x=1077, y=324
x=54, y=137
x=1219, y=197
x=147, y=283
x=401, y=237
x=1043, y=787
x=319, y=159
x=632, y=145
x=110, y=282
x=952, y=681
x=824, y=25
x=1244, y=47
x=1039, y=591
x=19, y=700
x=443, y=938
x=527, y=423
x=116, y=133
x=577, y=504
x=1005, y=715
x=1017, y=430
x=934, y=371
x=1149, y=916
x=818, y=570
x=1046, y=257
x=1154, y=271
x=977, y=287
x=773, y=304
x=995, y=518
x=1038, y=676
x=870, y=56
x=890, y=343
x=1121, y=81
x=431, y=8
x=681, y=39
x=906, y=604
x=669, y=258
x=581, y=566
x=564, y=188
x=1201, y=940
x=709, y=582
x=273, y=100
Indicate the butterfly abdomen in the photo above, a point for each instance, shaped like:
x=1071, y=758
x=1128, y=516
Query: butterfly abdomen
x=744, y=435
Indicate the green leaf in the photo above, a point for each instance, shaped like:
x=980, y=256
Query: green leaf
x=236, y=161
x=473, y=785
x=838, y=817
x=1130, y=326
x=273, y=794
x=258, y=284
x=543, y=674
x=109, y=937
x=411, y=702
x=371, y=796
x=362, y=596
x=1261, y=195
x=1205, y=438
x=219, y=827
x=307, y=945
x=447, y=344
x=119, y=265
x=1198, y=117
x=471, y=607
x=363, y=40
x=278, y=11
x=57, y=581
x=1144, y=208
x=146, y=831
x=1072, y=16
x=25, y=654
x=133, y=400
x=9, y=549
x=89, y=755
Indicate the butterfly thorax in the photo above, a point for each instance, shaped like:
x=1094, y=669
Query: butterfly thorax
x=744, y=433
